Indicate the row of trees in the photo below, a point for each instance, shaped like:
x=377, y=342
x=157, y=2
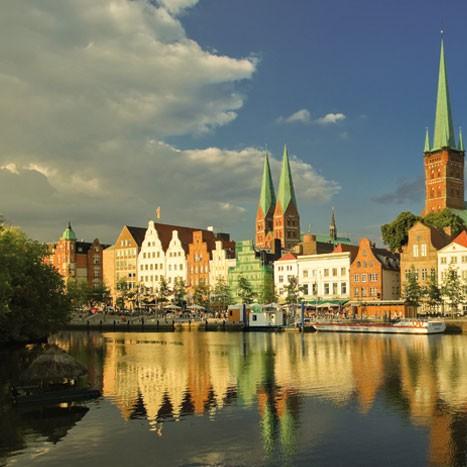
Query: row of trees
x=33, y=300
x=452, y=291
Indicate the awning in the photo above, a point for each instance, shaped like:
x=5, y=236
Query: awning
x=326, y=303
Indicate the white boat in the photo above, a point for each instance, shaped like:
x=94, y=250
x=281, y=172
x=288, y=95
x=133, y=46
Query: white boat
x=406, y=326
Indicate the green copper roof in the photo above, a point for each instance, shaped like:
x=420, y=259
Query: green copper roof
x=460, y=144
x=427, y=142
x=286, y=192
x=68, y=233
x=444, y=133
x=267, y=198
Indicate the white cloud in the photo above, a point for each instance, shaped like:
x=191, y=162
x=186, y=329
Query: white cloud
x=304, y=117
x=300, y=116
x=88, y=93
x=331, y=118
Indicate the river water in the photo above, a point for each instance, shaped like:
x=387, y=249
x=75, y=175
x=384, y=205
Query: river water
x=243, y=399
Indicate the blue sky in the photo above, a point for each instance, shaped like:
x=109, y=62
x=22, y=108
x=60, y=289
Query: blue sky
x=111, y=109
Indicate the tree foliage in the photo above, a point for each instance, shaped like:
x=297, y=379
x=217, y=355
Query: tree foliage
x=179, y=292
x=445, y=218
x=452, y=289
x=201, y=295
x=293, y=291
x=395, y=234
x=412, y=290
x=82, y=294
x=245, y=290
x=433, y=292
x=221, y=296
x=33, y=301
x=164, y=291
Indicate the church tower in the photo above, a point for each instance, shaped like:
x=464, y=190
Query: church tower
x=444, y=159
x=333, y=227
x=286, y=217
x=265, y=212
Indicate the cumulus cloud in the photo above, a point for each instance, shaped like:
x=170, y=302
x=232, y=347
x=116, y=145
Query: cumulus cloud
x=331, y=118
x=88, y=93
x=304, y=117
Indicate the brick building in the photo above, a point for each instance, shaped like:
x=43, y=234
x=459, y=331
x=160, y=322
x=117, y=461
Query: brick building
x=374, y=274
x=77, y=260
x=277, y=218
x=444, y=158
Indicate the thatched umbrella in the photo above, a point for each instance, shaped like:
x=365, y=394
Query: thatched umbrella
x=53, y=365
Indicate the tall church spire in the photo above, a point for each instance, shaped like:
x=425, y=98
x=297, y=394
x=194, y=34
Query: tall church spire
x=427, y=142
x=267, y=198
x=286, y=192
x=333, y=227
x=444, y=131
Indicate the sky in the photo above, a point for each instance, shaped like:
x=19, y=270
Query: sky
x=110, y=109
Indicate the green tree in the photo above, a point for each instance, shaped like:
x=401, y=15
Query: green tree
x=395, y=234
x=221, y=296
x=77, y=293
x=33, y=301
x=445, y=218
x=201, y=295
x=412, y=290
x=245, y=290
x=433, y=292
x=99, y=294
x=179, y=292
x=293, y=291
x=124, y=293
x=452, y=289
x=164, y=291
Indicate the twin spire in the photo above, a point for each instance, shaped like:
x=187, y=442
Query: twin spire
x=444, y=130
x=286, y=191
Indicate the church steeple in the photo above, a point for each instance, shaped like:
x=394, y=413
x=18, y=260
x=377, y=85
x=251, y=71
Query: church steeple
x=286, y=217
x=444, y=130
x=427, y=142
x=333, y=227
x=460, y=144
x=265, y=211
x=286, y=192
x=267, y=198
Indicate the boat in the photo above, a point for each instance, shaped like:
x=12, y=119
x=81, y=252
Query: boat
x=22, y=395
x=405, y=326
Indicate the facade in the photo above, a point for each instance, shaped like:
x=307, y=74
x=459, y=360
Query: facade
x=444, y=158
x=322, y=277
x=126, y=250
x=222, y=260
x=77, y=260
x=256, y=267
x=199, y=255
x=420, y=254
x=454, y=256
x=108, y=270
x=374, y=274
x=277, y=219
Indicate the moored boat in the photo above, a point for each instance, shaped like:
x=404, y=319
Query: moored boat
x=407, y=326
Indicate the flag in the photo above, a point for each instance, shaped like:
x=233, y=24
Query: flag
x=158, y=212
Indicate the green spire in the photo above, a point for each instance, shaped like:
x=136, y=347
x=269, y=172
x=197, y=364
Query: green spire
x=68, y=233
x=286, y=192
x=460, y=145
x=427, y=141
x=444, y=134
x=267, y=198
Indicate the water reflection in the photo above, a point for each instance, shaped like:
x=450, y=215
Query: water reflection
x=284, y=382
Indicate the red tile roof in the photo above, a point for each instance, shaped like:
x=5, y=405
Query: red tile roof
x=287, y=257
x=461, y=239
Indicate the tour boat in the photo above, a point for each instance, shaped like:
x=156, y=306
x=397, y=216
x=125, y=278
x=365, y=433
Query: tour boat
x=406, y=326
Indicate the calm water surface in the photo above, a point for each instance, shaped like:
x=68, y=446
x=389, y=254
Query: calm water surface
x=195, y=399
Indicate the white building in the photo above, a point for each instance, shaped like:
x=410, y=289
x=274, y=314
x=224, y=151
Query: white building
x=321, y=276
x=151, y=259
x=220, y=264
x=454, y=256
x=175, y=260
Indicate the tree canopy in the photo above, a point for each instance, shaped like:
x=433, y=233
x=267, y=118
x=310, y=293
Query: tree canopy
x=245, y=290
x=33, y=301
x=445, y=218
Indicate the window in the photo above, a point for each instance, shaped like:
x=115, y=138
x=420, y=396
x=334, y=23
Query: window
x=315, y=289
x=343, y=271
x=415, y=251
x=443, y=260
x=254, y=317
x=326, y=273
x=424, y=274
x=363, y=292
x=464, y=259
x=343, y=288
x=423, y=249
x=281, y=279
x=305, y=273
x=373, y=291
x=334, y=272
x=326, y=288
x=453, y=259
x=334, y=289
x=356, y=291
x=363, y=277
x=305, y=289
x=356, y=277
